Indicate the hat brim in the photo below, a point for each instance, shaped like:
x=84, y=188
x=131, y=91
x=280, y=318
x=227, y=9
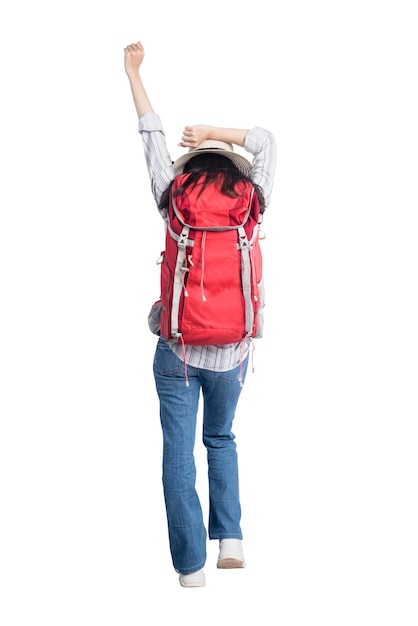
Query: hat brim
x=239, y=161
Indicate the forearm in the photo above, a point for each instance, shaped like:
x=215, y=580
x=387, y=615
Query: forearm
x=230, y=135
x=141, y=100
x=194, y=135
x=134, y=55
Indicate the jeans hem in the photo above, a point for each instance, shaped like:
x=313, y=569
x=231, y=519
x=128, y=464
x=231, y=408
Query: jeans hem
x=190, y=570
x=221, y=536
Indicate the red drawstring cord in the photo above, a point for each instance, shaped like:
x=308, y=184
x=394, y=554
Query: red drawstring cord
x=252, y=354
x=240, y=357
x=184, y=360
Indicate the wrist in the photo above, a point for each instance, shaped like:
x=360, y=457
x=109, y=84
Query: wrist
x=133, y=75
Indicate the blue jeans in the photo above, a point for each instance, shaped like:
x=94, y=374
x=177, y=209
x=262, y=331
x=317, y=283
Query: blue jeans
x=178, y=411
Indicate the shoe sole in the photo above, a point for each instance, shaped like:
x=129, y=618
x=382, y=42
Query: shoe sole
x=230, y=563
x=196, y=583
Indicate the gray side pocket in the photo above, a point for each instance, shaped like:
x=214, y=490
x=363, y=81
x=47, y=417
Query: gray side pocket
x=154, y=318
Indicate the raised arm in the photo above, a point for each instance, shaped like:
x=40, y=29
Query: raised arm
x=134, y=55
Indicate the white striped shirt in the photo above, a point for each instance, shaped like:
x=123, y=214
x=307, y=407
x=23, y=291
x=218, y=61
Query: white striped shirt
x=258, y=142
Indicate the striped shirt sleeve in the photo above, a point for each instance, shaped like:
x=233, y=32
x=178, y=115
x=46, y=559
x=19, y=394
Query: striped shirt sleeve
x=261, y=144
x=159, y=164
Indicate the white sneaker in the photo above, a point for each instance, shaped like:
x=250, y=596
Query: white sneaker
x=196, y=579
x=231, y=555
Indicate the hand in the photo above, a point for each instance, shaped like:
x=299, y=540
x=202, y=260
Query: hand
x=194, y=135
x=134, y=55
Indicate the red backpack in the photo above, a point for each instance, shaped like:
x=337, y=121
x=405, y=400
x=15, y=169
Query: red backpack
x=211, y=269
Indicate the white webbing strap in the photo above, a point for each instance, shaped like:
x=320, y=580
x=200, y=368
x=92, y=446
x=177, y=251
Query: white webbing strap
x=244, y=246
x=178, y=281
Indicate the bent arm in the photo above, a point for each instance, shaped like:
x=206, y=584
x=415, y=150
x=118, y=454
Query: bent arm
x=257, y=141
x=194, y=135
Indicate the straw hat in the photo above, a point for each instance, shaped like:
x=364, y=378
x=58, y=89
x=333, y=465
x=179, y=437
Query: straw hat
x=212, y=146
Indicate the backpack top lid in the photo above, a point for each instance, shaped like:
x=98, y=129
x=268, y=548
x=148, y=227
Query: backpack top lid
x=210, y=208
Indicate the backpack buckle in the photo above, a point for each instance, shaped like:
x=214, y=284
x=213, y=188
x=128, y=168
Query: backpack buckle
x=182, y=242
x=243, y=243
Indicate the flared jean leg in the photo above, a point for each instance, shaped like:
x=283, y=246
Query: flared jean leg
x=178, y=410
x=221, y=392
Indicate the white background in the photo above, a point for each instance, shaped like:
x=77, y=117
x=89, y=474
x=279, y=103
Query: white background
x=326, y=428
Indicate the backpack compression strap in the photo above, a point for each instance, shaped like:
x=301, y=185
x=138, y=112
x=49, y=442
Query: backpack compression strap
x=178, y=282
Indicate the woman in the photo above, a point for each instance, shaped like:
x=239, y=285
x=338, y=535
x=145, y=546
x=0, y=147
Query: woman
x=217, y=372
